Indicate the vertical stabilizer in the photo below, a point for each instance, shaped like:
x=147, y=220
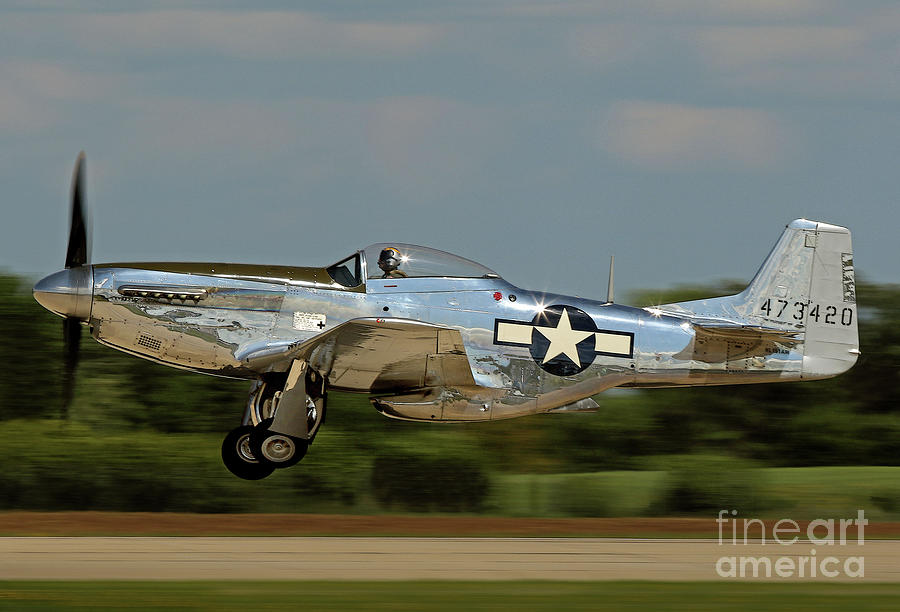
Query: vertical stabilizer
x=832, y=340
x=806, y=286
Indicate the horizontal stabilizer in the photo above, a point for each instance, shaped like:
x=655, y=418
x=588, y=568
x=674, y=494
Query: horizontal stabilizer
x=730, y=331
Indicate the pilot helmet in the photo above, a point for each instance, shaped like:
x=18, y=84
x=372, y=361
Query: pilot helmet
x=389, y=259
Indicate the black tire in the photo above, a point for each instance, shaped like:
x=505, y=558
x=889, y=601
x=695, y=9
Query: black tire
x=237, y=457
x=275, y=449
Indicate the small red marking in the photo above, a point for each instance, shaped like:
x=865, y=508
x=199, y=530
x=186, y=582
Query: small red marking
x=390, y=285
x=498, y=296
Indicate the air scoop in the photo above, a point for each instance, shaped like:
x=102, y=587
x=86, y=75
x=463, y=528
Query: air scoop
x=67, y=293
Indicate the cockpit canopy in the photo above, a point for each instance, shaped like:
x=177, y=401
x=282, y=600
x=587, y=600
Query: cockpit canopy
x=415, y=262
x=419, y=261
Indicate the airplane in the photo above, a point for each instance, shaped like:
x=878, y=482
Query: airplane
x=432, y=336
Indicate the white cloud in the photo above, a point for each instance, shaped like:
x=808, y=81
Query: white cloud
x=255, y=132
x=684, y=137
x=19, y=115
x=734, y=9
x=248, y=34
x=53, y=81
x=738, y=47
x=417, y=147
x=34, y=92
x=860, y=59
x=683, y=10
x=421, y=145
x=608, y=44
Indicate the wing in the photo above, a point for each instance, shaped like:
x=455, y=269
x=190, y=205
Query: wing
x=374, y=355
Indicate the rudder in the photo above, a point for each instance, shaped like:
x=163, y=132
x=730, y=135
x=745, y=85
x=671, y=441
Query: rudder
x=832, y=338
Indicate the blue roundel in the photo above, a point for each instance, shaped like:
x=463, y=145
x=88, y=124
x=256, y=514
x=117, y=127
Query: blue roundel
x=563, y=340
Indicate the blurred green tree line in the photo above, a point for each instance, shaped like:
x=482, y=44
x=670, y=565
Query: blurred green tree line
x=141, y=436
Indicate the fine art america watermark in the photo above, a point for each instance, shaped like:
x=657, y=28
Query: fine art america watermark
x=822, y=534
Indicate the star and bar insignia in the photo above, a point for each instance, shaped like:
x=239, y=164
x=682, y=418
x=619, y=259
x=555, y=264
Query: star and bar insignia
x=563, y=340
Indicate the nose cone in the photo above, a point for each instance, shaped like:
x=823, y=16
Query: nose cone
x=68, y=293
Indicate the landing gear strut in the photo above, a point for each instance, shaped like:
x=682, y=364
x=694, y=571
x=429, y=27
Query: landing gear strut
x=282, y=419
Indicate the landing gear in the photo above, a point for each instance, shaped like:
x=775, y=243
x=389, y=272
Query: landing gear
x=239, y=459
x=276, y=449
x=283, y=417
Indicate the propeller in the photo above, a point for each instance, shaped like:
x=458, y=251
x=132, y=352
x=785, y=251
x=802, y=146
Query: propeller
x=71, y=342
x=78, y=253
x=69, y=292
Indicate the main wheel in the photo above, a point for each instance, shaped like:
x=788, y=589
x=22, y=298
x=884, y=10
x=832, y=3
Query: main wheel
x=239, y=459
x=276, y=449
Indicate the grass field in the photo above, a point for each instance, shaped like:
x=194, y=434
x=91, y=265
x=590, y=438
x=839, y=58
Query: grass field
x=798, y=493
x=428, y=596
x=183, y=472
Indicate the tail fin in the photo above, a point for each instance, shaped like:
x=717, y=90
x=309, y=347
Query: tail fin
x=805, y=286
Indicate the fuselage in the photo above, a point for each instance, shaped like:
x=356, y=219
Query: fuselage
x=206, y=317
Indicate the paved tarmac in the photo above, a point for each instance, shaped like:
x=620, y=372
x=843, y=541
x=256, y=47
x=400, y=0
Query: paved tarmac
x=380, y=558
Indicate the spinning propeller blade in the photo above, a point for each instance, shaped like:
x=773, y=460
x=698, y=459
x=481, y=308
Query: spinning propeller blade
x=71, y=342
x=78, y=252
x=69, y=292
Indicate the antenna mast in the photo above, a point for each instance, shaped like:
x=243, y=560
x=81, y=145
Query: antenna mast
x=609, y=290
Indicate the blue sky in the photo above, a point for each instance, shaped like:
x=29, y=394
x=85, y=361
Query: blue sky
x=536, y=137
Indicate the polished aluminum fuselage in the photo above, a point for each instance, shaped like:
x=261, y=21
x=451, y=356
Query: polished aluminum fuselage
x=153, y=311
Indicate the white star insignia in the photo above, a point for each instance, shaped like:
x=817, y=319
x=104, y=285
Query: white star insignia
x=563, y=339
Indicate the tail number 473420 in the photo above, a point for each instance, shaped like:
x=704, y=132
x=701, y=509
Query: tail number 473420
x=783, y=310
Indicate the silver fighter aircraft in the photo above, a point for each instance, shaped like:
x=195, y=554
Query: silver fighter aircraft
x=431, y=336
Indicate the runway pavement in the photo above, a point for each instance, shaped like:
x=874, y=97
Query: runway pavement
x=378, y=558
